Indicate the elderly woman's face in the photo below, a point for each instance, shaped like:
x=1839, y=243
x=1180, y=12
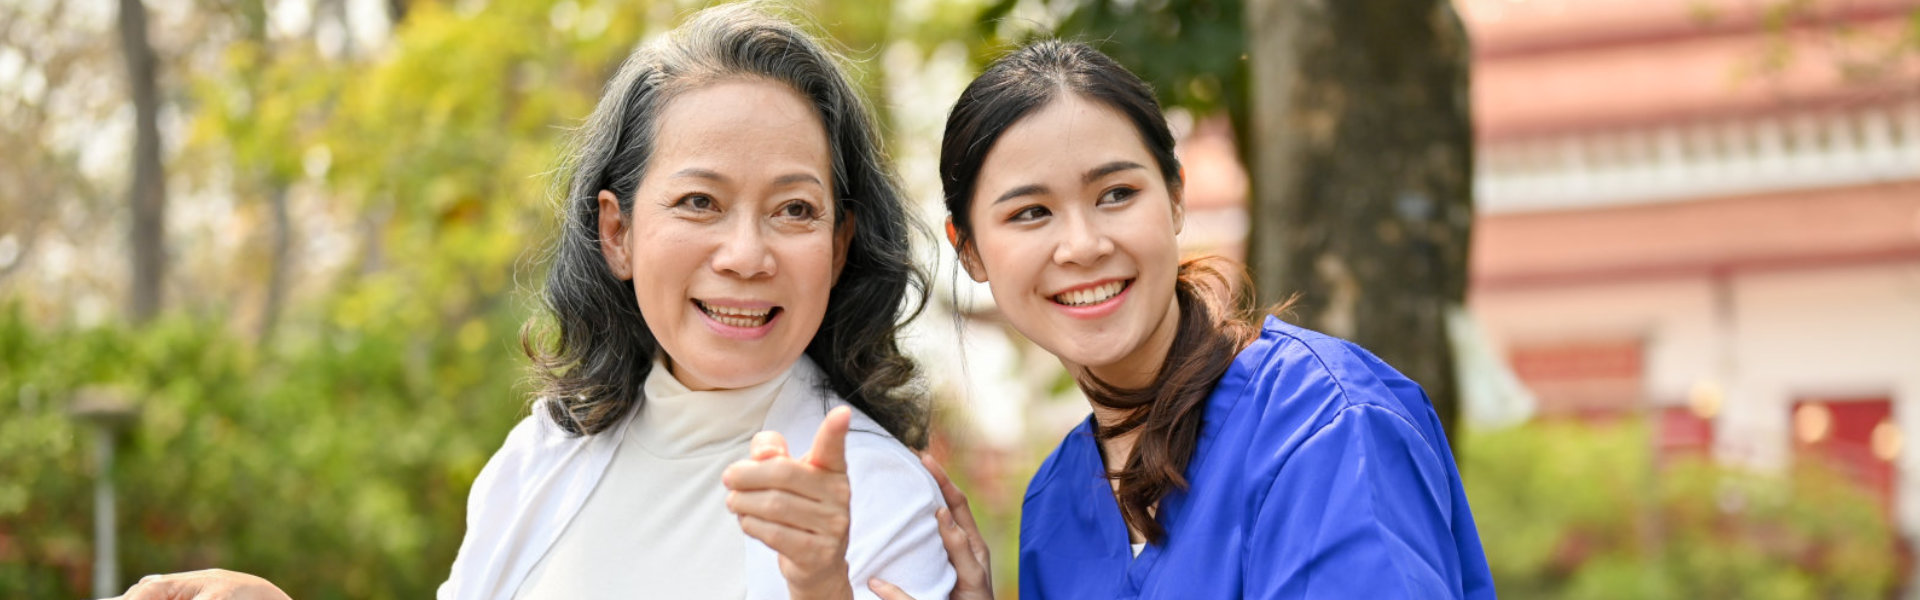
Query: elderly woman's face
x=732, y=245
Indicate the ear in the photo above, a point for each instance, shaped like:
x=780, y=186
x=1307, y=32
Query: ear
x=613, y=237
x=842, y=240
x=969, y=258
x=1177, y=194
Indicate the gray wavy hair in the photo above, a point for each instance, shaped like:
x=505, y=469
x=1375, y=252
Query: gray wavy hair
x=590, y=348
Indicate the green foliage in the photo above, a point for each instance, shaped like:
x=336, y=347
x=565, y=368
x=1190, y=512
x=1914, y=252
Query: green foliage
x=1566, y=511
x=331, y=466
x=335, y=461
x=1193, y=52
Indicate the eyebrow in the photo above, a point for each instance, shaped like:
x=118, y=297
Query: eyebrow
x=793, y=178
x=788, y=179
x=700, y=173
x=1109, y=169
x=1091, y=176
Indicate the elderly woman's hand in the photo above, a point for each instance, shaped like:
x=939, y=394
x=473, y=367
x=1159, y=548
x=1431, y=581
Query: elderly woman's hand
x=799, y=507
x=210, y=584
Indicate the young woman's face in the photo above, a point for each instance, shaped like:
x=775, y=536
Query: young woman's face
x=731, y=245
x=1073, y=228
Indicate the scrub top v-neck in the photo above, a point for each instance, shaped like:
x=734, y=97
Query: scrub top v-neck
x=1320, y=473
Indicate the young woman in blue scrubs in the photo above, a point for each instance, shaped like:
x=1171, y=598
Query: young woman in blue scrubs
x=1225, y=457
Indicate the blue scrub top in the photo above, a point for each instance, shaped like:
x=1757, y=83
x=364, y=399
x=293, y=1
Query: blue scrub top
x=1320, y=473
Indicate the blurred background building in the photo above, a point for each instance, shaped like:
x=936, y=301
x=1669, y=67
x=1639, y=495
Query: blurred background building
x=1704, y=215
x=1693, y=212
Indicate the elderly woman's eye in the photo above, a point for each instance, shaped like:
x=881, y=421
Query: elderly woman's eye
x=701, y=202
x=797, y=210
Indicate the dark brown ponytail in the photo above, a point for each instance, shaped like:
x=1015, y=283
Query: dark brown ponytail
x=1215, y=325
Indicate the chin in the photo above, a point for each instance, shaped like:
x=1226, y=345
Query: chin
x=1090, y=360
x=730, y=374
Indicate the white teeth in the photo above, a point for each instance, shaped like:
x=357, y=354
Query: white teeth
x=1094, y=295
x=756, y=313
x=736, y=316
x=740, y=322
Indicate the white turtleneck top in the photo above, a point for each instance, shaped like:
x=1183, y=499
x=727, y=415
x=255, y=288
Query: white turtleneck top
x=638, y=510
x=658, y=521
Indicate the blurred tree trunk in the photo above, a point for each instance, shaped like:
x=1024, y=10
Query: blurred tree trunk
x=147, y=192
x=277, y=275
x=1360, y=148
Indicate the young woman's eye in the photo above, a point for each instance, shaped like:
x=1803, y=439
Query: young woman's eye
x=797, y=210
x=700, y=202
x=1028, y=214
x=1118, y=195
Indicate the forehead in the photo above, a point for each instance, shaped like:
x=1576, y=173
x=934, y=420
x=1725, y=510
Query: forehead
x=1063, y=138
x=745, y=121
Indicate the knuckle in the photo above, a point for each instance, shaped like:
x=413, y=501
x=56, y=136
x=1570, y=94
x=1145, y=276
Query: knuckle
x=779, y=537
x=752, y=530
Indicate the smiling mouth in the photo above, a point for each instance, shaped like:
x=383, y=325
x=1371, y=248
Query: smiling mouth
x=734, y=316
x=1093, y=295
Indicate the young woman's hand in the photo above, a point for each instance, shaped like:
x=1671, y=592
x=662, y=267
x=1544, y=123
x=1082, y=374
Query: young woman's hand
x=972, y=563
x=210, y=584
x=799, y=507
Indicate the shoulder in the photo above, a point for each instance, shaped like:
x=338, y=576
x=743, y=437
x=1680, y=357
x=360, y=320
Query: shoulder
x=1299, y=384
x=510, y=499
x=535, y=435
x=534, y=448
x=883, y=466
x=1058, y=459
x=521, y=447
x=878, y=465
x=1305, y=378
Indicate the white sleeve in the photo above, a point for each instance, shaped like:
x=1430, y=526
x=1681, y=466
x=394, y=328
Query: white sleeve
x=894, y=534
x=493, y=493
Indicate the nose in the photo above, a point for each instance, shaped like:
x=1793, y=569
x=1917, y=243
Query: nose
x=1083, y=242
x=745, y=253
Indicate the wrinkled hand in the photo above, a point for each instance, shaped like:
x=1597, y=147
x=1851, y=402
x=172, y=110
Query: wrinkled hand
x=972, y=563
x=799, y=507
x=210, y=584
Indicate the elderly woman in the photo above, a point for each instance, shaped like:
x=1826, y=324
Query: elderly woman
x=733, y=259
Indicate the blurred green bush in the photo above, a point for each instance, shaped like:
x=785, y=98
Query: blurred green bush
x=1581, y=511
x=337, y=466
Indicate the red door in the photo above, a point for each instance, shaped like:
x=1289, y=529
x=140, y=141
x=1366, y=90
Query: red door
x=1856, y=436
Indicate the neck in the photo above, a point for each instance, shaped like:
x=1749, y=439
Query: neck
x=1136, y=370
x=1117, y=449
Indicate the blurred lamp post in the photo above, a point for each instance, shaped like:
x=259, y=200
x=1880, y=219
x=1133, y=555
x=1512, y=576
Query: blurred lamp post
x=107, y=412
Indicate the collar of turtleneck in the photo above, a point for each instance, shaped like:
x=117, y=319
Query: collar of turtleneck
x=680, y=422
